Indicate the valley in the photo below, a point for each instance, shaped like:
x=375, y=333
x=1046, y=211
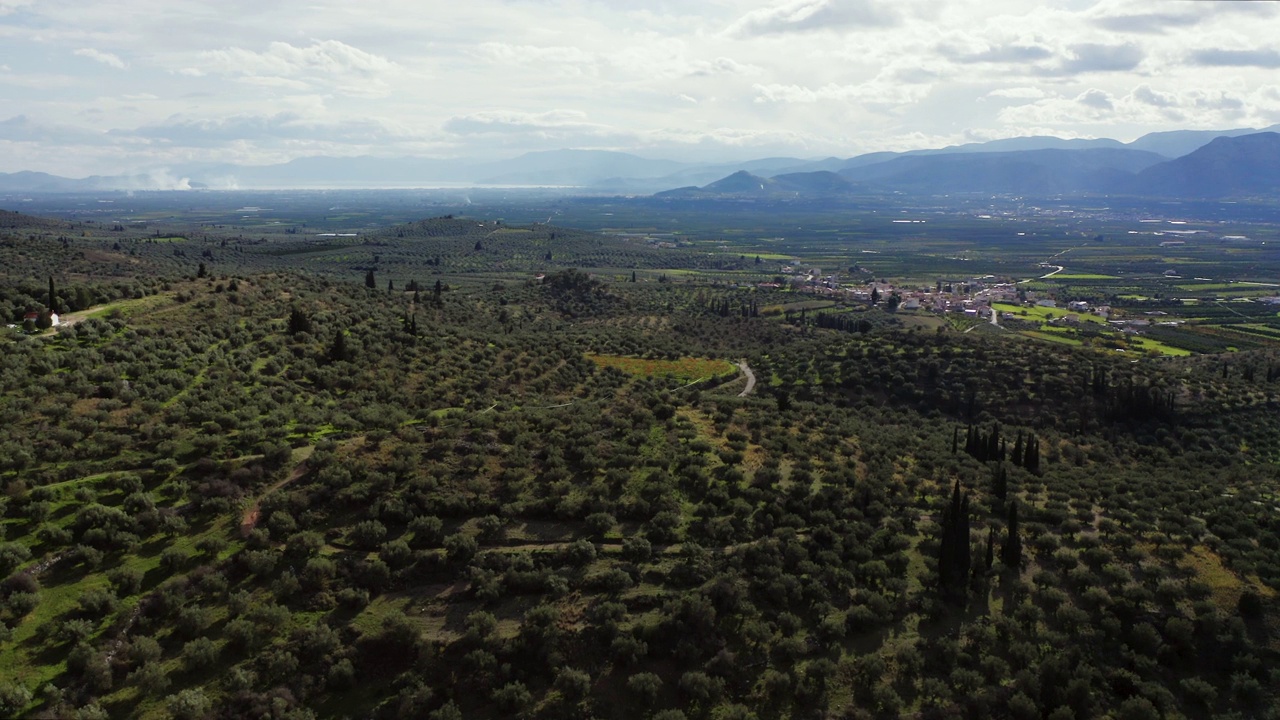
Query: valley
x=322, y=455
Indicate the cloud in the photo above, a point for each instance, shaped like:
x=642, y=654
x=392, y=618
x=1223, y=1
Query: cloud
x=21, y=128
x=554, y=122
x=328, y=64
x=1148, y=23
x=1147, y=107
x=205, y=132
x=105, y=58
x=999, y=54
x=559, y=60
x=533, y=54
x=813, y=15
x=721, y=66
x=10, y=6
x=1144, y=94
x=875, y=92
x=1095, y=58
x=1262, y=58
x=1095, y=99
x=1018, y=93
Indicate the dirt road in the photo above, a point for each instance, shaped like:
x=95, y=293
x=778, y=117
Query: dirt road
x=751, y=378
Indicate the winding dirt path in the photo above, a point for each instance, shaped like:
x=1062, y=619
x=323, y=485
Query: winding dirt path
x=249, y=520
x=751, y=378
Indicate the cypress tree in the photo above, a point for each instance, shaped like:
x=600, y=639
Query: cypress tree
x=1031, y=454
x=955, y=439
x=1000, y=482
x=298, y=322
x=369, y=281
x=1016, y=458
x=338, y=350
x=1011, y=553
x=53, y=297
x=991, y=547
x=953, y=551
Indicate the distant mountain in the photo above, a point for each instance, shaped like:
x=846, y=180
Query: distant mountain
x=1030, y=142
x=1029, y=165
x=740, y=183
x=1226, y=167
x=38, y=182
x=822, y=182
x=1176, y=143
x=570, y=167
x=27, y=181
x=1029, y=172
x=743, y=184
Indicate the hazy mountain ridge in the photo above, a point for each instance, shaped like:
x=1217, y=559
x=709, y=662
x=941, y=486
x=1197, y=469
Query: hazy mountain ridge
x=1006, y=165
x=1243, y=165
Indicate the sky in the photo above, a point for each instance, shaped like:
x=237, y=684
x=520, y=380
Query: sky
x=123, y=86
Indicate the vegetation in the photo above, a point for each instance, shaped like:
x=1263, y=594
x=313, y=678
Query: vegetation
x=280, y=491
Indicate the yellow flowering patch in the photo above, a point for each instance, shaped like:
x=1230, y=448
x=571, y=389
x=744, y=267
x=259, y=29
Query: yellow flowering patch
x=688, y=369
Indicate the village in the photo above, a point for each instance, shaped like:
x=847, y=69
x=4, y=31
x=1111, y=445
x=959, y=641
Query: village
x=989, y=297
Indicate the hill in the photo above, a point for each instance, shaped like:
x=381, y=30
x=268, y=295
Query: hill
x=1176, y=143
x=1031, y=172
x=1241, y=166
x=258, y=490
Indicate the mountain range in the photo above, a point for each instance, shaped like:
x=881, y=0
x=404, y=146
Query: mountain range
x=1226, y=166
x=1184, y=163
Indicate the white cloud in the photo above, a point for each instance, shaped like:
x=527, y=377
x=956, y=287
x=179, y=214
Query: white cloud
x=1096, y=99
x=105, y=58
x=1144, y=94
x=877, y=93
x=553, y=122
x=555, y=58
x=267, y=82
x=1268, y=58
x=814, y=15
x=1018, y=93
x=9, y=6
x=328, y=63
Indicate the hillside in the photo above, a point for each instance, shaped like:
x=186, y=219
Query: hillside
x=1033, y=172
x=1247, y=165
x=252, y=490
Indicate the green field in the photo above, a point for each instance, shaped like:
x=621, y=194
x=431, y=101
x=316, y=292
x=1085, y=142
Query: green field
x=1045, y=314
x=685, y=369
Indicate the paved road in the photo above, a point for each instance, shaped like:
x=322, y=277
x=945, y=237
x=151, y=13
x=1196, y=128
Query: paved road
x=751, y=378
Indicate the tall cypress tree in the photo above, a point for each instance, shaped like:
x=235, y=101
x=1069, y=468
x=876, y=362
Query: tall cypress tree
x=1011, y=552
x=953, y=551
x=338, y=350
x=369, y=280
x=53, y=297
x=1031, y=454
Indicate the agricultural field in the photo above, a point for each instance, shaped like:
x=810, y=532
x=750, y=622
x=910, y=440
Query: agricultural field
x=690, y=370
x=484, y=466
